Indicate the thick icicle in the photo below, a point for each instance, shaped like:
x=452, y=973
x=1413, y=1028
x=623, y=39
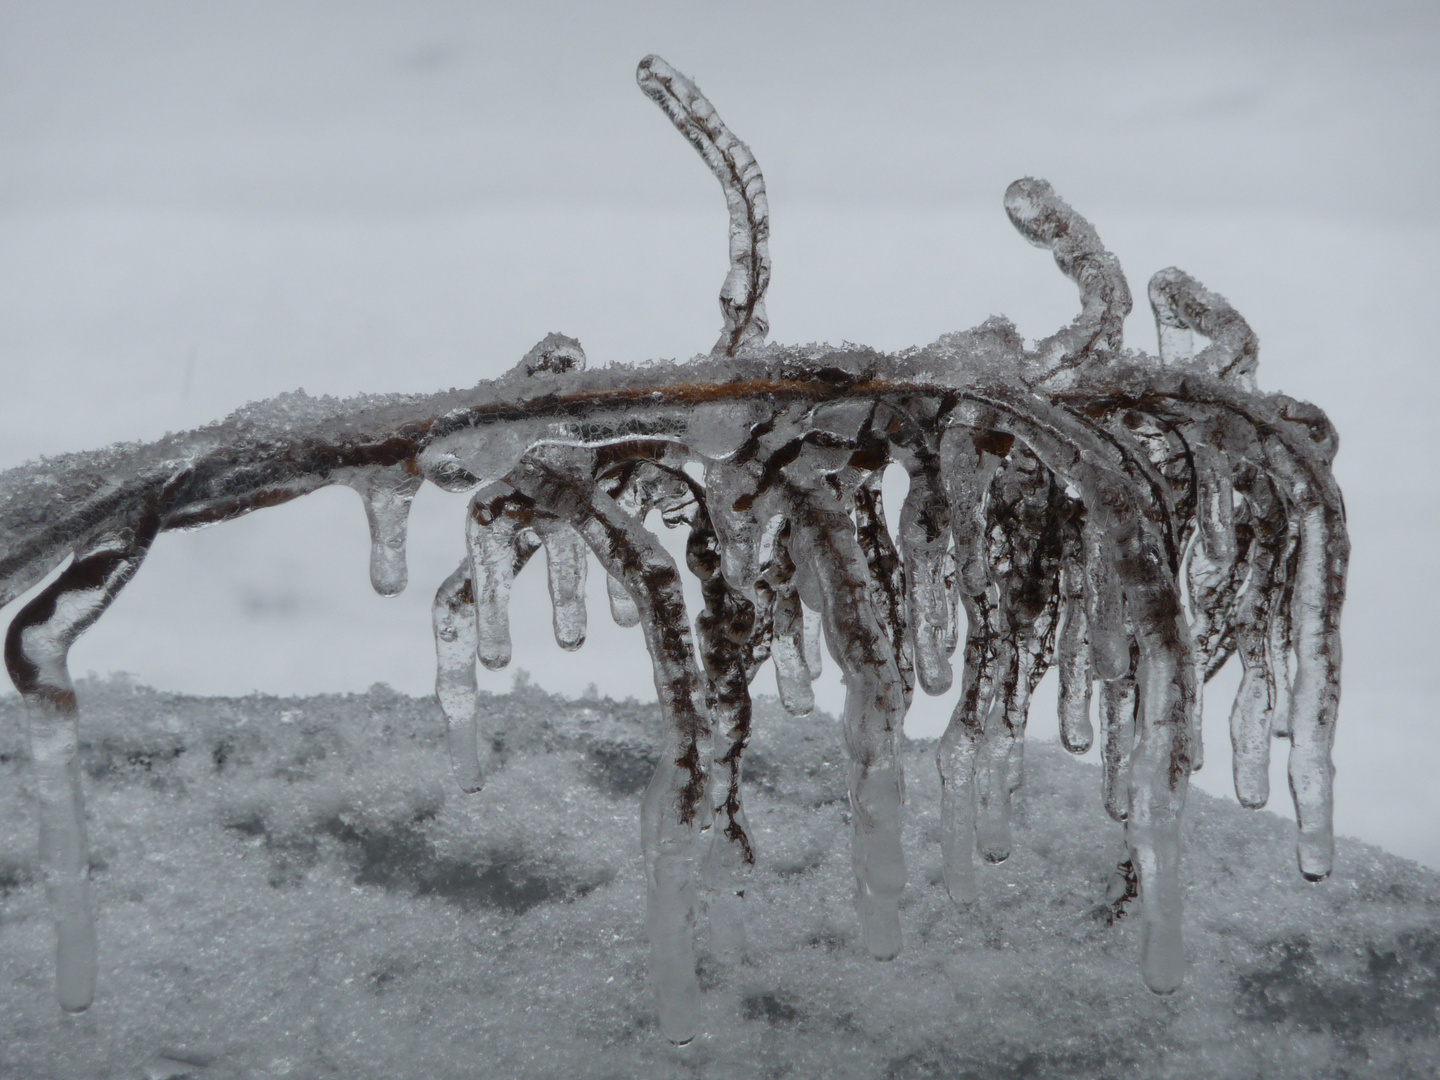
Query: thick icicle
x=675, y=812
x=968, y=460
x=959, y=746
x=1319, y=592
x=499, y=535
x=565, y=564
x=726, y=630
x=1105, y=611
x=1026, y=542
x=453, y=619
x=813, y=654
x=1250, y=716
x=37, y=648
x=1159, y=764
x=874, y=710
x=886, y=579
x=387, y=494
x=742, y=297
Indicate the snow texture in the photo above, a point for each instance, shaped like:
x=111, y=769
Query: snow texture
x=295, y=887
x=1059, y=493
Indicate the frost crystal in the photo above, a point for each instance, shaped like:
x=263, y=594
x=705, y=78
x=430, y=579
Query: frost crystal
x=1129, y=519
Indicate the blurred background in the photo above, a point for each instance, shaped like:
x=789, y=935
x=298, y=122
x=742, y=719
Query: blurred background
x=201, y=205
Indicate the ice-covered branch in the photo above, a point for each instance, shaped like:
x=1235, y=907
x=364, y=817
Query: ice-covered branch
x=1061, y=494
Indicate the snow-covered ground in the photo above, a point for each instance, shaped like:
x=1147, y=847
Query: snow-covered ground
x=297, y=888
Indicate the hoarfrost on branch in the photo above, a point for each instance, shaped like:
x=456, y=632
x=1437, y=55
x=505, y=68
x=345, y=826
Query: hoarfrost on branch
x=1132, y=520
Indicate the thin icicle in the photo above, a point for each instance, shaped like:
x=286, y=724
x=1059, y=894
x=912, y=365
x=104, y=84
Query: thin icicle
x=387, y=494
x=1105, y=612
x=37, y=649
x=453, y=619
x=1072, y=644
x=787, y=649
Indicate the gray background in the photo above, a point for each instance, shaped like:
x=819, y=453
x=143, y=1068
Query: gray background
x=202, y=205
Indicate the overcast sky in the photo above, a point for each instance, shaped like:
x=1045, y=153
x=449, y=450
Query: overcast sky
x=203, y=204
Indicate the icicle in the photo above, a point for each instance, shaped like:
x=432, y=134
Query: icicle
x=37, y=649
x=968, y=460
x=959, y=745
x=874, y=711
x=813, y=654
x=1105, y=612
x=726, y=630
x=787, y=649
x=992, y=758
x=1117, y=724
x=1278, y=638
x=675, y=812
x=1072, y=645
x=456, y=640
x=925, y=548
x=565, y=563
x=387, y=494
x=730, y=493
x=498, y=534
x=1319, y=589
x=1215, y=506
x=886, y=579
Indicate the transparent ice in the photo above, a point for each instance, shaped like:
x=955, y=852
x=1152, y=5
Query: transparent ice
x=1131, y=520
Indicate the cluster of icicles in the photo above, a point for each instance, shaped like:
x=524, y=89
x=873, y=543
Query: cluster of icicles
x=1131, y=520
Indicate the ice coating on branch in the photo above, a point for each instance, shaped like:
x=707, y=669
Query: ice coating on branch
x=1047, y=221
x=1131, y=519
x=37, y=649
x=1183, y=307
x=675, y=813
x=742, y=297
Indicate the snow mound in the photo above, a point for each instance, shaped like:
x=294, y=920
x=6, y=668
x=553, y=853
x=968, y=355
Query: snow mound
x=296, y=887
